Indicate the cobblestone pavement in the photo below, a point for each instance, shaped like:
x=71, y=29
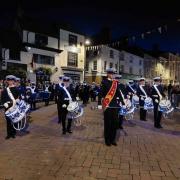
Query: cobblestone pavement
x=45, y=154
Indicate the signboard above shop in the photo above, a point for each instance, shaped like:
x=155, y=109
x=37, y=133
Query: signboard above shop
x=72, y=49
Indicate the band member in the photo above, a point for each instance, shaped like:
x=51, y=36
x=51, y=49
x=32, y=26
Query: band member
x=157, y=94
x=110, y=104
x=141, y=92
x=33, y=92
x=85, y=93
x=63, y=99
x=46, y=94
x=123, y=92
x=131, y=89
x=8, y=102
x=57, y=89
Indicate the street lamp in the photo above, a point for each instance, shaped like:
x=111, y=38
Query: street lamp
x=87, y=43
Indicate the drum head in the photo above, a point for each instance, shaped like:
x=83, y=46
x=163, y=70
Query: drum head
x=72, y=106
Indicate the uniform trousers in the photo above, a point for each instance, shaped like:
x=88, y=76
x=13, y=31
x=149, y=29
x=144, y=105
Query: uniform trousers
x=110, y=125
x=10, y=130
x=157, y=115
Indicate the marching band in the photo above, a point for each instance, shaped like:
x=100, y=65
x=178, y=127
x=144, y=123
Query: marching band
x=118, y=101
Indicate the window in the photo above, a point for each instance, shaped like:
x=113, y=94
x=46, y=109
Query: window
x=41, y=40
x=72, y=59
x=116, y=67
x=87, y=65
x=140, y=62
x=95, y=65
x=140, y=72
x=131, y=70
x=121, y=56
x=111, y=55
x=42, y=59
x=111, y=65
x=72, y=40
x=122, y=68
x=14, y=54
x=105, y=64
x=131, y=59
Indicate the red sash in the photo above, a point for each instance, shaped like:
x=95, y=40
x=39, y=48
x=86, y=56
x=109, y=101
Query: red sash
x=109, y=96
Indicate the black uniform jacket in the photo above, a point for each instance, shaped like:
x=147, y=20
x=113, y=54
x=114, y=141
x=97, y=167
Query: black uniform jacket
x=5, y=97
x=62, y=97
x=105, y=87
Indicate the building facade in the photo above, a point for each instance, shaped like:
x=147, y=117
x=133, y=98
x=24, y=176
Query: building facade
x=131, y=65
x=72, y=57
x=99, y=59
x=46, y=57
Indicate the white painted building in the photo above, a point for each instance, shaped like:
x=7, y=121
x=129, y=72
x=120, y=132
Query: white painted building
x=63, y=55
x=131, y=65
x=99, y=58
x=72, y=57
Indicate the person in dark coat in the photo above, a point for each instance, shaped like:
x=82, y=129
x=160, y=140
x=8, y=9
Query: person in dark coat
x=122, y=89
x=110, y=102
x=156, y=95
x=8, y=103
x=142, y=94
x=63, y=100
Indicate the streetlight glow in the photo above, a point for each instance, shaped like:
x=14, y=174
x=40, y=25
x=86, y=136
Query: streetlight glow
x=87, y=42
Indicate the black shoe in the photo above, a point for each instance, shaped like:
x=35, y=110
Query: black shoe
x=158, y=127
x=7, y=137
x=69, y=131
x=13, y=136
x=64, y=132
x=114, y=144
x=120, y=127
x=108, y=144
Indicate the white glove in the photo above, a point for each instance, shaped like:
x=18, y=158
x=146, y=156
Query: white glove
x=64, y=106
x=128, y=96
x=142, y=98
x=99, y=107
x=6, y=105
x=156, y=100
x=124, y=106
x=22, y=97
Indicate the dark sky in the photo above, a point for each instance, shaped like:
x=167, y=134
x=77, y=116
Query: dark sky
x=123, y=17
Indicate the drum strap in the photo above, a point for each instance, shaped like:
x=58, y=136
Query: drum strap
x=159, y=94
x=142, y=89
x=131, y=88
x=68, y=94
x=11, y=97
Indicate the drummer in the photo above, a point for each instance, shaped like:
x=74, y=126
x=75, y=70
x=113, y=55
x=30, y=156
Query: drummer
x=142, y=93
x=8, y=103
x=63, y=99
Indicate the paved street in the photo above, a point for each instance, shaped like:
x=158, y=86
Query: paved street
x=45, y=154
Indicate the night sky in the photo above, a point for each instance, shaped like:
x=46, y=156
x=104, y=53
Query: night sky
x=129, y=18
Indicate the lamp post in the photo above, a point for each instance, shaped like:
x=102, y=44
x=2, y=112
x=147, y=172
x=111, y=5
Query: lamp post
x=87, y=43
